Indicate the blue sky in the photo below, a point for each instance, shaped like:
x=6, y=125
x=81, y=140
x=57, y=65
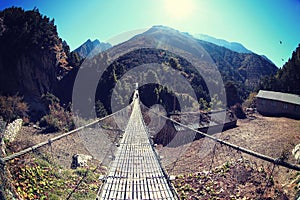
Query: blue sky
x=259, y=25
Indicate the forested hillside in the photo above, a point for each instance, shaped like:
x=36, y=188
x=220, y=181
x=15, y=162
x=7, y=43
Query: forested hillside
x=240, y=72
x=287, y=78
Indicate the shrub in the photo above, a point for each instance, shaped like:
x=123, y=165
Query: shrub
x=2, y=125
x=250, y=102
x=12, y=107
x=58, y=119
x=49, y=99
x=100, y=109
x=238, y=111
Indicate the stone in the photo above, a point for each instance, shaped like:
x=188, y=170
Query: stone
x=36, y=127
x=296, y=153
x=80, y=160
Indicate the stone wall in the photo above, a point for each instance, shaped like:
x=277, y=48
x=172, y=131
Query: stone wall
x=7, y=189
x=296, y=153
x=13, y=129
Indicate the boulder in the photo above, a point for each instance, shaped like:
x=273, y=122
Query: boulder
x=80, y=160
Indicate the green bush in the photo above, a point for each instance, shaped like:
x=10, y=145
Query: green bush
x=100, y=109
x=237, y=109
x=250, y=102
x=49, y=99
x=58, y=119
x=2, y=125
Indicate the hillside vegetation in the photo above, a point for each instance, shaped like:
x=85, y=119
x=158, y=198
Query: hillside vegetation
x=287, y=78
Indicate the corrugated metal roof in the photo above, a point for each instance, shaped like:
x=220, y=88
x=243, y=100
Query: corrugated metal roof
x=279, y=96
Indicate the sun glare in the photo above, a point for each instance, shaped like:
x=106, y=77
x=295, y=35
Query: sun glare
x=179, y=9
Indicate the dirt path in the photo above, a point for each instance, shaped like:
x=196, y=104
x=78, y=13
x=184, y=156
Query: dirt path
x=267, y=135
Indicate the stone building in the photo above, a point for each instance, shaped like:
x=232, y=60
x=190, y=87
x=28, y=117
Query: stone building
x=278, y=104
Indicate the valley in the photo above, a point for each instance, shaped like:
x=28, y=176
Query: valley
x=196, y=79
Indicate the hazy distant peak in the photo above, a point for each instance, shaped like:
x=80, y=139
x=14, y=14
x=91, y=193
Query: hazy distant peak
x=96, y=42
x=160, y=31
x=90, y=42
x=91, y=48
x=160, y=28
x=234, y=46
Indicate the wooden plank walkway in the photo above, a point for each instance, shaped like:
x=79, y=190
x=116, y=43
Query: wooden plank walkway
x=136, y=172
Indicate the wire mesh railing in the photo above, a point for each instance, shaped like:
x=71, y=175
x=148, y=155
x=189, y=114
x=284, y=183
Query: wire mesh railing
x=209, y=167
x=68, y=165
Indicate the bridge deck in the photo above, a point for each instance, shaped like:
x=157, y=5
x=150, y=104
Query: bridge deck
x=136, y=172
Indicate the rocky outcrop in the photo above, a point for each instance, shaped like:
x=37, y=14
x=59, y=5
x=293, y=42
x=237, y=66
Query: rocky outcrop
x=32, y=57
x=31, y=75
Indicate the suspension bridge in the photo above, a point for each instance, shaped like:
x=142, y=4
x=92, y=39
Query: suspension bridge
x=136, y=172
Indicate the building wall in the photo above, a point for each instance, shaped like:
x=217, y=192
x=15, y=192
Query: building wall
x=277, y=108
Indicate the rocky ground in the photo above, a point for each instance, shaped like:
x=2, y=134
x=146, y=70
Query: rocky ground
x=232, y=180
x=275, y=137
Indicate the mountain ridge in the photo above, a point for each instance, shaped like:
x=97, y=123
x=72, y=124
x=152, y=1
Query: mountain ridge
x=160, y=44
x=223, y=52
x=234, y=46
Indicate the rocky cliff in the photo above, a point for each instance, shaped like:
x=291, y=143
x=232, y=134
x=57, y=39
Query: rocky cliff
x=32, y=56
